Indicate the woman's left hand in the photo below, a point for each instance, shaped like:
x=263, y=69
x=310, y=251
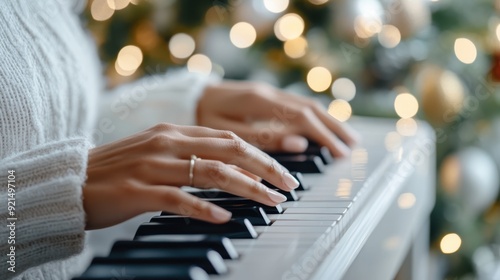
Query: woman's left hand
x=272, y=119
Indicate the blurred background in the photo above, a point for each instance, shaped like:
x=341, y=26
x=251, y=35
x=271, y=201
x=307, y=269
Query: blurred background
x=434, y=60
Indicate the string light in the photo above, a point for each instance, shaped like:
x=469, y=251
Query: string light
x=343, y=88
x=199, y=63
x=296, y=48
x=392, y=141
x=276, y=6
x=340, y=110
x=181, y=45
x=465, y=50
x=389, y=36
x=128, y=60
x=319, y=79
x=450, y=243
x=100, y=10
x=288, y=27
x=366, y=27
x=406, y=105
x=242, y=35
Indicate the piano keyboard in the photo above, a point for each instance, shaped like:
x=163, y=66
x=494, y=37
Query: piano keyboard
x=316, y=234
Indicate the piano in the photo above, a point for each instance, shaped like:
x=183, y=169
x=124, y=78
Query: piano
x=362, y=217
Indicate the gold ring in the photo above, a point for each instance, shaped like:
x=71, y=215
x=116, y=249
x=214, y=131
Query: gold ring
x=191, y=169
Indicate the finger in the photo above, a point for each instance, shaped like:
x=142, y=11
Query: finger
x=177, y=201
x=268, y=137
x=316, y=130
x=342, y=130
x=246, y=173
x=209, y=174
x=215, y=174
x=238, y=152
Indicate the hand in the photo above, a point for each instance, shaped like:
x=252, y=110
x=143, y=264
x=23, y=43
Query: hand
x=143, y=173
x=242, y=106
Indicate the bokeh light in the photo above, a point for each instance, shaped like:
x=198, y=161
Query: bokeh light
x=128, y=60
x=276, y=6
x=288, y=27
x=199, y=63
x=389, y=36
x=465, y=50
x=343, y=88
x=318, y=2
x=319, y=79
x=407, y=127
x=181, y=45
x=406, y=105
x=450, y=243
x=242, y=35
x=340, y=110
x=406, y=200
x=118, y=4
x=295, y=48
x=366, y=27
x=100, y=10
x=392, y=141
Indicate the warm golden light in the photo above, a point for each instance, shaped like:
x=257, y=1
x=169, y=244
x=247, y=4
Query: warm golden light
x=407, y=127
x=118, y=4
x=128, y=60
x=344, y=188
x=497, y=31
x=343, y=88
x=465, y=50
x=392, y=141
x=450, y=243
x=100, y=10
x=389, y=36
x=366, y=27
x=181, y=45
x=276, y=6
x=296, y=48
x=406, y=105
x=242, y=35
x=319, y=79
x=199, y=63
x=340, y=110
x=288, y=27
x=318, y=2
x=450, y=174
x=406, y=200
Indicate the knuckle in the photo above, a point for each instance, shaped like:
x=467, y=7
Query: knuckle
x=227, y=134
x=238, y=147
x=162, y=127
x=215, y=168
x=160, y=141
x=272, y=167
x=256, y=188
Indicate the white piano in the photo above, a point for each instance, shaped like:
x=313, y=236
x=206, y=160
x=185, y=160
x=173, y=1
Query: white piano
x=364, y=217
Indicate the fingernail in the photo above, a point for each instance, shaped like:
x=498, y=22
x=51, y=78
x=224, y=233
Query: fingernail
x=294, y=143
x=220, y=214
x=290, y=181
x=275, y=196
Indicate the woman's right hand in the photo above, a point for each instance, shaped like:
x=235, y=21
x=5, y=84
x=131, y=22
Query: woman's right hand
x=143, y=173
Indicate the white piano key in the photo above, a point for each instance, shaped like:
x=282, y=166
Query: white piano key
x=304, y=210
x=309, y=217
x=331, y=204
x=305, y=223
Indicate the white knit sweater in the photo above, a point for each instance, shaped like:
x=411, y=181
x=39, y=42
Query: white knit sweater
x=50, y=83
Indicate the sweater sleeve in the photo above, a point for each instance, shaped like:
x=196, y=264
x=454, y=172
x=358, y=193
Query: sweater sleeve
x=170, y=97
x=49, y=218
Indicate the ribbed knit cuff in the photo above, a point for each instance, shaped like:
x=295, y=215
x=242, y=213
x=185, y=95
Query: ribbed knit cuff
x=50, y=217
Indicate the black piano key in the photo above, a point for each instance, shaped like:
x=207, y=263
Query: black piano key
x=312, y=150
x=209, y=260
x=302, y=163
x=213, y=194
x=243, y=202
x=143, y=272
x=256, y=215
x=302, y=185
x=235, y=228
x=220, y=244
